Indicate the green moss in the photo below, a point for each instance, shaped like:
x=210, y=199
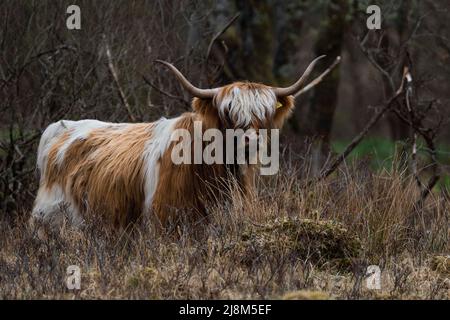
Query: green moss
x=441, y=264
x=133, y=282
x=142, y=278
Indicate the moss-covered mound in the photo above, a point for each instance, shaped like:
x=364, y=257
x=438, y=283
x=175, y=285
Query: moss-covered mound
x=320, y=242
x=441, y=264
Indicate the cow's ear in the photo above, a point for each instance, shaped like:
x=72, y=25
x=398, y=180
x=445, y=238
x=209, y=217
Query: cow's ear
x=284, y=108
x=202, y=106
x=205, y=108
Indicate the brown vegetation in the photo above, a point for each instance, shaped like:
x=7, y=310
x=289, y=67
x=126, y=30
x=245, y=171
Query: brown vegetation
x=285, y=239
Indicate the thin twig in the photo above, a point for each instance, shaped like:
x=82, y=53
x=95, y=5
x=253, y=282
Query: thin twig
x=167, y=94
x=113, y=72
x=414, y=160
x=218, y=34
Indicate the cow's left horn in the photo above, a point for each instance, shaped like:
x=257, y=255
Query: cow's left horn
x=196, y=92
x=283, y=92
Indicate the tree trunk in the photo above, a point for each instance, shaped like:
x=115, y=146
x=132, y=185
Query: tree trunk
x=324, y=100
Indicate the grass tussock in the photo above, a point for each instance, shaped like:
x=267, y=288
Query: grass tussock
x=289, y=241
x=321, y=242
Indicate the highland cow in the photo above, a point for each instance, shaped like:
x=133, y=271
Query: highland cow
x=124, y=171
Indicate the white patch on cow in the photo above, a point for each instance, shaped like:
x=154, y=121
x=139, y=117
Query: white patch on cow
x=50, y=135
x=243, y=104
x=153, y=151
x=80, y=130
x=51, y=204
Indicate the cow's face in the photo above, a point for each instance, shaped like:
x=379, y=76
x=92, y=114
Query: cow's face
x=250, y=107
x=245, y=105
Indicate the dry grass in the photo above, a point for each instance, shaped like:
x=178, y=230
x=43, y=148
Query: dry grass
x=283, y=243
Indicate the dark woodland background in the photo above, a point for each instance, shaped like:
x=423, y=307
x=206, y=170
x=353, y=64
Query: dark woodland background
x=48, y=72
x=364, y=176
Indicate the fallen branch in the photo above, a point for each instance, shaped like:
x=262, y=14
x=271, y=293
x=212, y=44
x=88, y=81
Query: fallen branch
x=356, y=140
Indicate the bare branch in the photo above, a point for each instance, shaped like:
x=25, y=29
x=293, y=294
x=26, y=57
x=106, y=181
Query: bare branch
x=167, y=94
x=113, y=72
x=218, y=34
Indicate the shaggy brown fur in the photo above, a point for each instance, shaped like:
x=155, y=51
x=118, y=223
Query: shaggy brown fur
x=104, y=173
x=89, y=172
x=191, y=186
x=283, y=112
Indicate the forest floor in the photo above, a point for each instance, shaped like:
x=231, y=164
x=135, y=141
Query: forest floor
x=289, y=241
